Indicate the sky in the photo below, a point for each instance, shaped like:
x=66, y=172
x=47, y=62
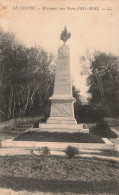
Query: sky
x=90, y=29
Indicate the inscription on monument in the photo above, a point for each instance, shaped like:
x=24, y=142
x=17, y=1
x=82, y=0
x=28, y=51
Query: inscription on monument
x=62, y=79
x=61, y=109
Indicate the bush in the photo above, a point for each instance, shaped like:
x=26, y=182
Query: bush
x=45, y=151
x=103, y=130
x=71, y=151
x=87, y=114
x=41, y=151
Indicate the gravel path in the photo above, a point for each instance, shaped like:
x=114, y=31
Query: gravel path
x=12, y=192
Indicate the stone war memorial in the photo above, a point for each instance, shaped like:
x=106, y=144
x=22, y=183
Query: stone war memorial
x=61, y=129
x=62, y=102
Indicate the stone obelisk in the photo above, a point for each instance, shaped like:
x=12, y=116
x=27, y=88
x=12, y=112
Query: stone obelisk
x=62, y=102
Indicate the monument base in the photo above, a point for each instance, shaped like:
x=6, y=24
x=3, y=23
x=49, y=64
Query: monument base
x=69, y=128
x=61, y=120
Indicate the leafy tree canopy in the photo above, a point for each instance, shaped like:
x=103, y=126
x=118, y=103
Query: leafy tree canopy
x=102, y=70
x=26, y=77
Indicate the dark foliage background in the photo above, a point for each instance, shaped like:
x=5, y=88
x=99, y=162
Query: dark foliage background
x=27, y=79
x=103, y=80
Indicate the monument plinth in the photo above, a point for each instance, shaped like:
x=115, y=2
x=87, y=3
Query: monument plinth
x=62, y=102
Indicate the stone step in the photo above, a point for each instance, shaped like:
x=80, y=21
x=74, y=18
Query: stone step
x=70, y=128
x=61, y=126
x=62, y=120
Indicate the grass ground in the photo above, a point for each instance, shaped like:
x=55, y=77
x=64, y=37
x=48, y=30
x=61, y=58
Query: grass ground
x=16, y=126
x=59, y=174
x=8, y=127
x=59, y=137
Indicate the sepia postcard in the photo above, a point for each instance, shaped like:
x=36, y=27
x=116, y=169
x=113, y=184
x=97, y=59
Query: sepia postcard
x=59, y=97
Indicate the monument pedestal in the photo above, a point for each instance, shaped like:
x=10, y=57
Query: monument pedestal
x=62, y=109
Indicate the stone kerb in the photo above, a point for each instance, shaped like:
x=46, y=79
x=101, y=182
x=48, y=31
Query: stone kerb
x=55, y=146
x=116, y=147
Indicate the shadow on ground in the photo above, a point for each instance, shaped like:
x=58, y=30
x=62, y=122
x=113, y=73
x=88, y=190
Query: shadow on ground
x=83, y=187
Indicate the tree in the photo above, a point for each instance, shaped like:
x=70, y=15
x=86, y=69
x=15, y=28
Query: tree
x=76, y=94
x=102, y=71
x=77, y=104
x=26, y=77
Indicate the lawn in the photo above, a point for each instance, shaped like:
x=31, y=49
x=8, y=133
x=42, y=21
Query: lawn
x=59, y=137
x=59, y=174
